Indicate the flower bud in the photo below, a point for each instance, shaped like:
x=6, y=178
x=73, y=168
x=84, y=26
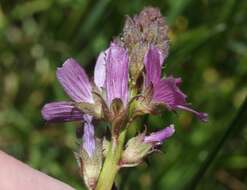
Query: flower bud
x=135, y=151
x=140, y=146
x=90, y=166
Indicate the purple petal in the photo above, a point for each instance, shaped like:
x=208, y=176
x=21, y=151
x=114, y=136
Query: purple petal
x=117, y=74
x=152, y=65
x=88, y=136
x=200, y=115
x=75, y=81
x=61, y=112
x=159, y=136
x=100, y=69
x=166, y=91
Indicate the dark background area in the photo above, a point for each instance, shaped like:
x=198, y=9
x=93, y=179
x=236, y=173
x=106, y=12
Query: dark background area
x=208, y=50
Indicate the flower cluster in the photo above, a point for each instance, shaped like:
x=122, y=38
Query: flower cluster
x=127, y=84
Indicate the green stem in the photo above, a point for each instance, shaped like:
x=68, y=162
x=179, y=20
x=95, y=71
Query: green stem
x=111, y=167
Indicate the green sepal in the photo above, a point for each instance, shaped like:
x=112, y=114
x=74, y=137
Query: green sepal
x=90, y=166
x=136, y=149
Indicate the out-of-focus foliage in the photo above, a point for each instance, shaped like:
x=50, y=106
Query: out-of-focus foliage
x=208, y=50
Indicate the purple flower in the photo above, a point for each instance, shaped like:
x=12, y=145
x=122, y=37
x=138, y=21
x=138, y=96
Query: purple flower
x=159, y=137
x=76, y=84
x=166, y=91
x=111, y=75
x=117, y=74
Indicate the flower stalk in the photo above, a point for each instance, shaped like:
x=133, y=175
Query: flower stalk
x=111, y=164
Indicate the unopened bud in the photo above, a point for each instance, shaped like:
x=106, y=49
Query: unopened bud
x=135, y=151
x=140, y=146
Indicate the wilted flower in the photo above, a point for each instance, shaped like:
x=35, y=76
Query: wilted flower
x=149, y=26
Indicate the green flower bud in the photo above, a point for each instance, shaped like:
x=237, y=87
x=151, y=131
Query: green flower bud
x=136, y=150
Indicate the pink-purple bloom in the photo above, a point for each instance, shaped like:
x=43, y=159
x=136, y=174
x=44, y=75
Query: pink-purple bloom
x=111, y=74
x=117, y=74
x=76, y=84
x=166, y=91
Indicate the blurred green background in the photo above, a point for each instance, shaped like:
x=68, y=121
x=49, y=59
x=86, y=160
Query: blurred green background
x=208, y=50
